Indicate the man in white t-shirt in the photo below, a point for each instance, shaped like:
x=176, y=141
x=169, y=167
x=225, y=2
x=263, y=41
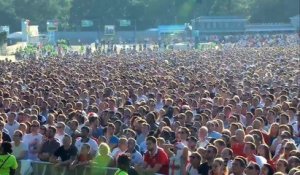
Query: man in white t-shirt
x=11, y=124
x=85, y=131
x=33, y=140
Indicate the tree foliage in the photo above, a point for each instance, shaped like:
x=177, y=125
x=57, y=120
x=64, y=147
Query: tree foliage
x=142, y=13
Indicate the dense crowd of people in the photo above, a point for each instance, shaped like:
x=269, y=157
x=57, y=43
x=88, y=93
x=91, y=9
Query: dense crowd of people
x=217, y=112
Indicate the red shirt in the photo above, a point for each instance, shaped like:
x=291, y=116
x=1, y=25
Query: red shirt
x=159, y=158
x=238, y=149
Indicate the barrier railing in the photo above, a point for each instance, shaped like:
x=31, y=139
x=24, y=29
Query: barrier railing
x=46, y=168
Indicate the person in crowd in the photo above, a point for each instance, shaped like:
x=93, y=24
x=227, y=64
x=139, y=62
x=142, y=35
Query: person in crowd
x=238, y=165
x=267, y=169
x=5, y=135
x=252, y=169
x=110, y=136
x=12, y=124
x=193, y=167
x=49, y=145
x=282, y=166
x=60, y=132
x=83, y=158
x=85, y=138
x=203, y=137
x=33, y=140
x=155, y=159
x=135, y=156
x=210, y=155
x=8, y=162
x=65, y=154
x=18, y=147
x=218, y=167
x=178, y=156
x=250, y=152
x=227, y=156
x=123, y=163
x=103, y=159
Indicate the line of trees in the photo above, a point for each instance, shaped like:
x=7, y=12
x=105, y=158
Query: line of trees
x=142, y=13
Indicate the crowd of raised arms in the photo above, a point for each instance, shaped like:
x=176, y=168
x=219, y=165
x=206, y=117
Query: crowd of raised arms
x=218, y=112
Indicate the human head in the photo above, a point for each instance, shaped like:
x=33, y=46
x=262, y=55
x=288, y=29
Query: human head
x=67, y=141
x=5, y=148
x=282, y=166
x=131, y=144
x=249, y=148
x=264, y=150
x=227, y=154
x=85, y=149
x=123, y=162
x=195, y=159
x=211, y=153
x=293, y=162
x=252, y=169
x=123, y=144
x=151, y=143
x=35, y=125
x=85, y=131
x=238, y=165
x=203, y=133
x=51, y=132
x=267, y=170
x=104, y=149
x=218, y=166
x=18, y=135
x=220, y=145
x=111, y=129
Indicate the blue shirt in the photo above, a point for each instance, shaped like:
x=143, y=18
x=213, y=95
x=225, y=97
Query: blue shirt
x=214, y=135
x=114, y=140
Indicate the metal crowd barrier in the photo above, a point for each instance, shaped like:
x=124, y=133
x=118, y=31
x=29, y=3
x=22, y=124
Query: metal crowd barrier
x=46, y=168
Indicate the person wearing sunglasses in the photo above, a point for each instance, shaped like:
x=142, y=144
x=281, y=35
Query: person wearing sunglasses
x=252, y=169
x=194, y=166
